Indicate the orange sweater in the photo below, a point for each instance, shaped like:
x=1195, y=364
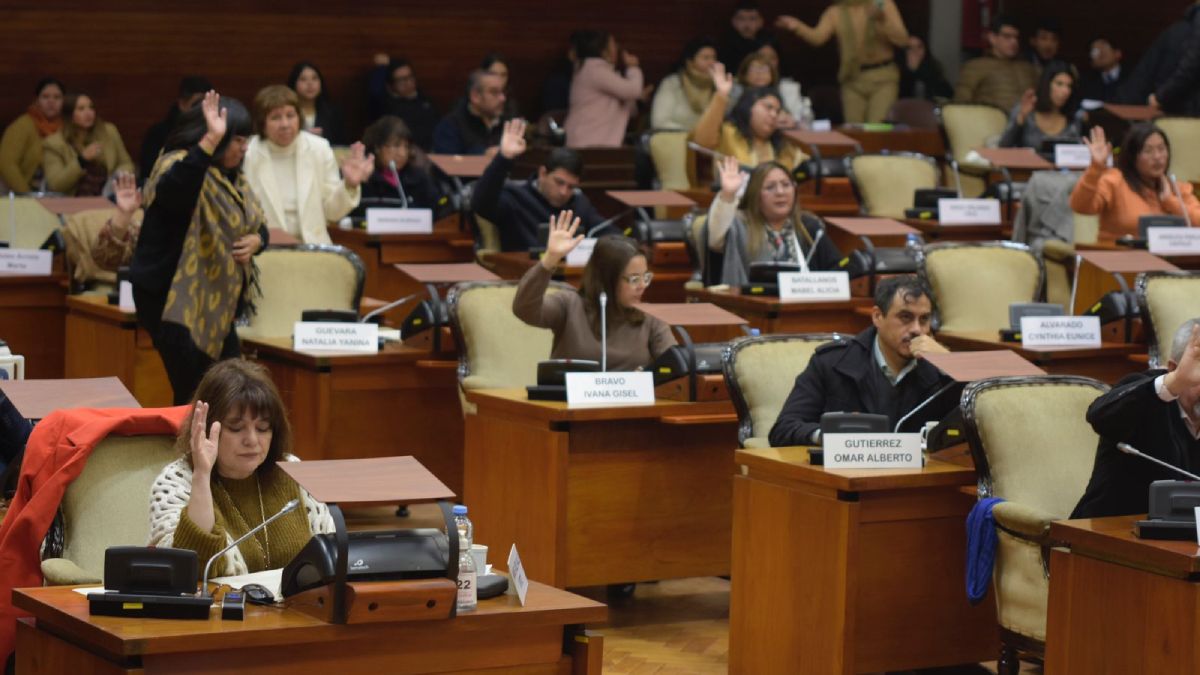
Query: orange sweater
x=1105, y=193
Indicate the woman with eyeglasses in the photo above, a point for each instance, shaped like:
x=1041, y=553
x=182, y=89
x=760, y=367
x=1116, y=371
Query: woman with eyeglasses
x=770, y=226
x=617, y=268
x=1138, y=185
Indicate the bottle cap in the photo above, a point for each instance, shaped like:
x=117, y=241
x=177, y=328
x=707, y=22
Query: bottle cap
x=459, y=510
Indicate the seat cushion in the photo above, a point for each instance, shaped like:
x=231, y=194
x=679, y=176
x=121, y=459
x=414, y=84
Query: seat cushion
x=974, y=285
x=887, y=183
x=501, y=350
x=668, y=150
x=296, y=279
x=764, y=373
x=1171, y=301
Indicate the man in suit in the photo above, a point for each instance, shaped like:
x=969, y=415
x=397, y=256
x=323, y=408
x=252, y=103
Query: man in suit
x=878, y=371
x=1157, y=412
x=1103, y=82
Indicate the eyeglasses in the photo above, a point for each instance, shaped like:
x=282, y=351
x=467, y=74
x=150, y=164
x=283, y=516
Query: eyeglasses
x=779, y=187
x=639, y=279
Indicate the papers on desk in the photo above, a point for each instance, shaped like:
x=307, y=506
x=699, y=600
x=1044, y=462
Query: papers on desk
x=272, y=580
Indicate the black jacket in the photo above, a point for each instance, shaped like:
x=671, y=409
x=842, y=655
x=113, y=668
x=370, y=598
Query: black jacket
x=462, y=132
x=517, y=208
x=420, y=189
x=1092, y=86
x=329, y=121
x=1180, y=92
x=928, y=81
x=1133, y=413
x=844, y=377
x=417, y=112
x=1160, y=61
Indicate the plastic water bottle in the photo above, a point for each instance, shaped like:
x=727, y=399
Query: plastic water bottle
x=754, y=332
x=463, y=524
x=468, y=594
x=913, y=242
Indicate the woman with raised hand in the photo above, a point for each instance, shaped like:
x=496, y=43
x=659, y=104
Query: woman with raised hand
x=1051, y=112
x=618, y=269
x=752, y=132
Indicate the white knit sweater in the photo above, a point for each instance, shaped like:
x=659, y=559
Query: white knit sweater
x=171, y=492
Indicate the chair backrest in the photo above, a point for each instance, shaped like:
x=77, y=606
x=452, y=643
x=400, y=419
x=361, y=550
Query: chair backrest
x=917, y=113
x=489, y=235
x=496, y=349
x=297, y=277
x=669, y=151
x=1046, y=460
x=760, y=372
x=1087, y=228
x=974, y=283
x=109, y=503
x=1184, y=135
x=1167, y=300
x=81, y=230
x=885, y=183
x=969, y=126
x=25, y=223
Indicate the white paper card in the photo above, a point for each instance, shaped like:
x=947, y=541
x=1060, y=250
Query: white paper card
x=581, y=254
x=814, y=285
x=125, y=296
x=1060, y=331
x=516, y=573
x=399, y=221
x=1173, y=240
x=1072, y=156
x=323, y=336
x=611, y=388
x=822, y=125
x=25, y=261
x=872, y=451
x=969, y=211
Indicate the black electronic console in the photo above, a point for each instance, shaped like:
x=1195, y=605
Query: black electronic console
x=764, y=277
x=373, y=556
x=150, y=582
x=1172, y=511
x=552, y=378
x=847, y=423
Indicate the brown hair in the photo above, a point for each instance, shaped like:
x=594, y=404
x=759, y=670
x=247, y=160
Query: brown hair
x=269, y=98
x=603, y=273
x=756, y=223
x=751, y=59
x=78, y=137
x=234, y=387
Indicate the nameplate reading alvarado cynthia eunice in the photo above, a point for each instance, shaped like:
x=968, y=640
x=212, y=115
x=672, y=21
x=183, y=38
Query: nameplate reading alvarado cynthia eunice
x=586, y=390
x=1060, y=331
x=344, y=338
x=872, y=451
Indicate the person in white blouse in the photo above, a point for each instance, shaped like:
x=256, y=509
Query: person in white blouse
x=295, y=174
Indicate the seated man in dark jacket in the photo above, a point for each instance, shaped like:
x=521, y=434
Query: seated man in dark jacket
x=878, y=371
x=1157, y=412
x=517, y=208
x=473, y=125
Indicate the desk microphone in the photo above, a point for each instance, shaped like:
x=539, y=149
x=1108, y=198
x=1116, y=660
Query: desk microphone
x=1182, y=206
x=1130, y=450
x=813, y=249
x=390, y=306
x=399, y=185
x=603, y=332
x=287, y=508
x=605, y=223
x=692, y=145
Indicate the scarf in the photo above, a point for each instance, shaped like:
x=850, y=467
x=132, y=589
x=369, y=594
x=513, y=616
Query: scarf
x=45, y=126
x=849, y=46
x=208, y=285
x=698, y=89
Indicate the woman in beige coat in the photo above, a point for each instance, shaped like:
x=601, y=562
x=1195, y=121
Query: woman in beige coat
x=79, y=158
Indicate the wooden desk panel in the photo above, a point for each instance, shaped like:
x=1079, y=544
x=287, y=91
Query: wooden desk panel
x=1107, y=363
x=771, y=315
x=103, y=340
x=33, y=322
x=932, y=230
x=379, y=252
x=928, y=142
x=1097, y=269
x=869, y=563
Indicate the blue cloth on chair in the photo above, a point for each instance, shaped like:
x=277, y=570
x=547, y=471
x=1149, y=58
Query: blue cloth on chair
x=981, y=548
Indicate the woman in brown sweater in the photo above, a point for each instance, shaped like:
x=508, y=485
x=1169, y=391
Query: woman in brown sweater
x=617, y=268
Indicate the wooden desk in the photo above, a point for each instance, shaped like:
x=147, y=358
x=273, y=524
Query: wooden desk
x=36, y=399
x=601, y=495
x=1096, y=273
x=669, y=262
x=1119, y=604
x=851, y=571
x=104, y=340
x=772, y=315
x=847, y=233
x=1107, y=363
x=932, y=230
x=400, y=401
x=33, y=321
x=379, y=252
x=63, y=637
x=927, y=142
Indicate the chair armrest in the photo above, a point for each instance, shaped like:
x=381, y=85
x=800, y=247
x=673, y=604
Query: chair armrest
x=1059, y=251
x=1024, y=521
x=63, y=572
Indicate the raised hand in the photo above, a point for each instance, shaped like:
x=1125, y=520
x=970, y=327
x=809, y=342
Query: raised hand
x=245, y=247
x=204, y=446
x=562, y=238
x=1099, y=146
x=722, y=80
x=512, y=141
x=358, y=166
x=1028, y=101
x=129, y=198
x=1187, y=372
x=215, y=119
x=730, y=173
x=788, y=23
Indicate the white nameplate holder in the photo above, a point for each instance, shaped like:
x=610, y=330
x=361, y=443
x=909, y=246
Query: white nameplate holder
x=1173, y=240
x=381, y=220
x=822, y=125
x=516, y=573
x=125, y=296
x=969, y=211
x=814, y=286
x=1072, y=156
x=582, y=253
x=342, y=338
x=30, y=262
x=1060, y=331
x=588, y=390
x=872, y=451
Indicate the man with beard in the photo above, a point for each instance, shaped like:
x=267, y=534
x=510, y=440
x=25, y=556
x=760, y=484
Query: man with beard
x=1157, y=412
x=878, y=371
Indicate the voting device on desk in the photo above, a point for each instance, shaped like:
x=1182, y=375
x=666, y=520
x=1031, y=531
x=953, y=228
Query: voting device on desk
x=1019, y=310
x=925, y=202
x=1172, y=502
x=847, y=423
x=764, y=277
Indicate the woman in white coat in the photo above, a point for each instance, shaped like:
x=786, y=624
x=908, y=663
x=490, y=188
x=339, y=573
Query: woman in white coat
x=295, y=175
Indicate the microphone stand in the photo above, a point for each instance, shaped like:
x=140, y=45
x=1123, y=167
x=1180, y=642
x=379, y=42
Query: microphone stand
x=399, y=185
x=287, y=508
x=1182, y=207
x=390, y=306
x=603, y=332
x=1130, y=450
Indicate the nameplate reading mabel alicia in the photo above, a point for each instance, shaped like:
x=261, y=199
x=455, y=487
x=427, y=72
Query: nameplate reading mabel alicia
x=872, y=451
x=604, y=389
x=345, y=338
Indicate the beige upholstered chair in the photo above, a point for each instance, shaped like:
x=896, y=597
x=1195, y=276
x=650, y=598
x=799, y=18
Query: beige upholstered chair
x=970, y=126
x=973, y=284
x=760, y=372
x=107, y=505
x=669, y=151
x=1040, y=467
x=81, y=231
x=1167, y=299
x=1184, y=136
x=489, y=236
x=299, y=277
x=26, y=222
x=885, y=183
